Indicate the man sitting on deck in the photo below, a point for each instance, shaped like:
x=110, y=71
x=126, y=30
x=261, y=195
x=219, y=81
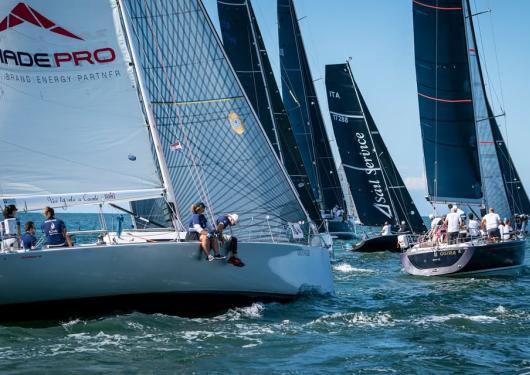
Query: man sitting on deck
x=223, y=222
x=55, y=230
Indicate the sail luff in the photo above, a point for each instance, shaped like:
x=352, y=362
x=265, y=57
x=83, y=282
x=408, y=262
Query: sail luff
x=144, y=99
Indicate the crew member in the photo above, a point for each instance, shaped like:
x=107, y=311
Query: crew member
x=55, y=230
x=199, y=229
x=223, y=222
x=491, y=223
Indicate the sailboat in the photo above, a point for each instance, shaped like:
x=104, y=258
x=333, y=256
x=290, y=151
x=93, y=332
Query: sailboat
x=459, y=128
x=306, y=119
x=377, y=188
x=101, y=79
x=245, y=47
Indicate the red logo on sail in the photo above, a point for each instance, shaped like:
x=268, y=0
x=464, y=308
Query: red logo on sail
x=24, y=13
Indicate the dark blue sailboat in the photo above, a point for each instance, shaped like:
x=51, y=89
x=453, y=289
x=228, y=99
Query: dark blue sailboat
x=459, y=129
x=303, y=109
x=376, y=186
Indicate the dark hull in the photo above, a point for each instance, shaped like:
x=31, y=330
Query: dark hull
x=378, y=243
x=493, y=258
x=343, y=230
x=181, y=304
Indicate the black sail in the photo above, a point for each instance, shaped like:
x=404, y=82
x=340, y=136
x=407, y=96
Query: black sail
x=304, y=111
x=445, y=101
x=517, y=197
x=404, y=206
x=376, y=185
x=245, y=48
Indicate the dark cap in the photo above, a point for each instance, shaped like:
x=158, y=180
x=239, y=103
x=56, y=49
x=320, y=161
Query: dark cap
x=200, y=205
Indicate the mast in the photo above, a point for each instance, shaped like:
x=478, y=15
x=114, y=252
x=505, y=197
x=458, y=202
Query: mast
x=166, y=179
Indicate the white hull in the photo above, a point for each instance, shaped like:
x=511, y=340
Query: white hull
x=161, y=268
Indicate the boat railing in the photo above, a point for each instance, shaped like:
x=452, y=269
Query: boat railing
x=408, y=241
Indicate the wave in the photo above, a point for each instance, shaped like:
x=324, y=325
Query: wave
x=349, y=319
x=347, y=268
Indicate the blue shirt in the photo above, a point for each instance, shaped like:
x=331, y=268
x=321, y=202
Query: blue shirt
x=53, y=230
x=198, y=219
x=223, y=219
x=28, y=241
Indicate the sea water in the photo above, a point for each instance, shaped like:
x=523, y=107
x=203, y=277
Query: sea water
x=380, y=320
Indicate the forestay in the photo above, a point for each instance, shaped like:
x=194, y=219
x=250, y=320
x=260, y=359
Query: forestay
x=215, y=148
x=245, y=48
x=71, y=127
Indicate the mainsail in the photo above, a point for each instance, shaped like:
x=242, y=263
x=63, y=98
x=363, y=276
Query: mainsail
x=304, y=111
x=458, y=126
x=71, y=127
x=244, y=46
x=215, y=148
x=377, y=187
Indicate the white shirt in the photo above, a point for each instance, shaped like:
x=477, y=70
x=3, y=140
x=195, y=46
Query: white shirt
x=492, y=220
x=386, y=230
x=453, y=222
x=474, y=228
x=435, y=222
x=506, y=234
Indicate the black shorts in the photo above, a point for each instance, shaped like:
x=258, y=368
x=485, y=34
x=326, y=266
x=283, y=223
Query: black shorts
x=494, y=232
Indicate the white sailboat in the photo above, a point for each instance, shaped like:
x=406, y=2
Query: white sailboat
x=77, y=120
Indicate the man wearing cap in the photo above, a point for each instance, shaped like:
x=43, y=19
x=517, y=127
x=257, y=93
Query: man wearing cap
x=199, y=229
x=225, y=221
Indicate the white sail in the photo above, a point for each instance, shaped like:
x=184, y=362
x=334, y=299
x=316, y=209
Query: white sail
x=70, y=116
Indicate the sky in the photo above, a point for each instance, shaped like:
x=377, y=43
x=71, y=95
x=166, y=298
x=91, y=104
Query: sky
x=378, y=37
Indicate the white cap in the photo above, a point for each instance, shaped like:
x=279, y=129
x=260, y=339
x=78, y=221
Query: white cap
x=234, y=218
x=431, y=216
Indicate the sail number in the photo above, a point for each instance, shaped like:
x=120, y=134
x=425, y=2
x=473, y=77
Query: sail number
x=339, y=118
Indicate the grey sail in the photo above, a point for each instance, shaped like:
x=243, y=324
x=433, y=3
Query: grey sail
x=301, y=101
x=215, y=148
x=244, y=46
